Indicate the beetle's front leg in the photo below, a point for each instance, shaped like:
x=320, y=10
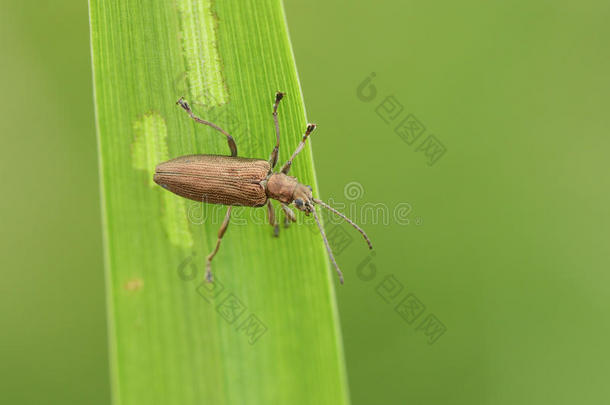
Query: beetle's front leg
x=272, y=220
x=288, y=215
x=288, y=164
x=221, y=232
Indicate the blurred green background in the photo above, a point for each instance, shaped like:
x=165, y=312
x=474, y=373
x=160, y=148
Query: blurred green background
x=508, y=232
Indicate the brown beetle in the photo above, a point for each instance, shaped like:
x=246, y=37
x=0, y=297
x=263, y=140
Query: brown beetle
x=233, y=180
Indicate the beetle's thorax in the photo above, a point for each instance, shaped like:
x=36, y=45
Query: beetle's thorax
x=287, y=189
x=281, y=187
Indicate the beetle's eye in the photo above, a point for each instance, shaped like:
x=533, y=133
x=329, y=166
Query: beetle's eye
x=298, y=202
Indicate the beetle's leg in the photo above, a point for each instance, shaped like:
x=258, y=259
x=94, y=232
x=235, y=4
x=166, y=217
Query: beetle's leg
x=230, y=139
x=221, y=232
x=288, y=215
x=272, y=220
x=286, y=167
x=275, y=154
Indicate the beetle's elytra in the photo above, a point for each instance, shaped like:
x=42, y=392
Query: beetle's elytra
x=232, y=180
x=215, y=179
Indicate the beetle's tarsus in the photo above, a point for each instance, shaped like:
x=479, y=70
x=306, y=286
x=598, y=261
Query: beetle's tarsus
x=184, y=104
x=209, y=277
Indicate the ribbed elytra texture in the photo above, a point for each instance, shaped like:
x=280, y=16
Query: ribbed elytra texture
x=215, y=179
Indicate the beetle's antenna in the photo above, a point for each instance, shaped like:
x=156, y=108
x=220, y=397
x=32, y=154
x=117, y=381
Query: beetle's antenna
x=330, y=252
x=349, y=221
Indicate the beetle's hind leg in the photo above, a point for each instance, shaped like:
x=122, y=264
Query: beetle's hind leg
x=230, y=141
x=275, y=153
x=221, y=232
x=288, y=215
x=272, y=220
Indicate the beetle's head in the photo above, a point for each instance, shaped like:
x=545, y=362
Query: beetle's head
x=303, y=198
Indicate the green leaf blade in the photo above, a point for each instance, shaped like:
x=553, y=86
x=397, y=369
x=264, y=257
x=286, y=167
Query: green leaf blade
x=173, y=340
